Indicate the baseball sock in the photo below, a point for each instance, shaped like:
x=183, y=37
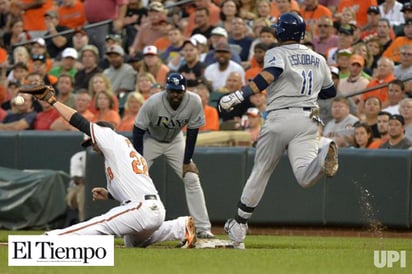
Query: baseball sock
x=244, y=213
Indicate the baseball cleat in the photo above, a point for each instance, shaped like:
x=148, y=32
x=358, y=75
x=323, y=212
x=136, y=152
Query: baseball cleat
x=330, y=167
x=236, y=231
x=190, y=234
x=207, y=234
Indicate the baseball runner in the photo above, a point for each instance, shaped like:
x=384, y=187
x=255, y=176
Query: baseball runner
x=140, y=217
x=158, y=131
x=295, y=77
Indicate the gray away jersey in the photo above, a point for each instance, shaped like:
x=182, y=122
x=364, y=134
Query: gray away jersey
x=305, y=73
x=163, y=123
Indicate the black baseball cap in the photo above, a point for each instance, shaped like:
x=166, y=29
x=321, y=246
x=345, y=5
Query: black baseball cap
x=406, y=6
x=346, y=29
x=373, y=9
x=398, y=117
x=88, y=142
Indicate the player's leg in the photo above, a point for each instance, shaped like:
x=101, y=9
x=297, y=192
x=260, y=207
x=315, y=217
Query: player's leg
x=134, y=217
x=307, y=158
x=180, y=229
x=269, y=150
x=193, y=190
x=151, y=150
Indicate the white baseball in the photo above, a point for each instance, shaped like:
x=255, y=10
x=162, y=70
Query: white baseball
x=19, y=100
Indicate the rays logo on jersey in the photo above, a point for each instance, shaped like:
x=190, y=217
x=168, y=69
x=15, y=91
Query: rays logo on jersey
x=271, y=61
x=164, y=121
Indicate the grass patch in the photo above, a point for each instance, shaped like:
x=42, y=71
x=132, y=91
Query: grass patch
x=263, y=254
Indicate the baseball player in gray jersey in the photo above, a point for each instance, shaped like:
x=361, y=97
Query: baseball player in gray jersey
x=158, y=131
x=295, y=77
x=140, y=217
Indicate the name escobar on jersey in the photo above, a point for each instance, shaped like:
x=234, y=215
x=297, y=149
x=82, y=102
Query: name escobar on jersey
x=304, y=59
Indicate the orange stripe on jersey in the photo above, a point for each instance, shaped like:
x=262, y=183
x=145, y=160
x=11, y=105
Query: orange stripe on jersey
x=104, y=220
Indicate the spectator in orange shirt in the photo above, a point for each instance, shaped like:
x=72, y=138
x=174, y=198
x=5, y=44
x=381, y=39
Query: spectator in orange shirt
x=151, y=30
x=214, y=12
x=143, y=84
x=360, y=7
x=38, y=47
x=153, y=64
x=383, y=128
x=279, y=7
x=105, y=108
x=267, y=36
x=211, y=114
x=393, y=51
x=259, y=55
x=168, y=34
x=101, y=83
x=371, y=26
x=384, y=75
x=311, y=11
x=132, y=106
x=33, y=15
x=82, y=101
x=71, y=14
x=46, y=117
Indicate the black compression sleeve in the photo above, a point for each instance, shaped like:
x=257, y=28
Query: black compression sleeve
x=137, y=139
x=191, y=136
x=81, y=123
x=327, y=93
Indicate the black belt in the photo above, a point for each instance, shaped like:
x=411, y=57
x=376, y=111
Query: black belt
x=150, y=197
x=303, y=108
x=146, y=197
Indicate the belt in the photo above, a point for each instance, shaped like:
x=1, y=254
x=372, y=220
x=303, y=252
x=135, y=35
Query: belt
x=303, y=108
x=146, y=197
x=150, y=197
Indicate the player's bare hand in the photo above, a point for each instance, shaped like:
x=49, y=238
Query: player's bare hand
x=100, y=193
x=230, y=100
x=191, y=167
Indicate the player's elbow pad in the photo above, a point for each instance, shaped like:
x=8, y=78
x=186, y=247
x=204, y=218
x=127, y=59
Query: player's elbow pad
x=137, y=139
x=327, y=93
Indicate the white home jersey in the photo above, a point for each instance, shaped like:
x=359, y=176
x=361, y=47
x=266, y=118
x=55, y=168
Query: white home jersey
x=164, y=123
x=126, y=170
x=305, y=73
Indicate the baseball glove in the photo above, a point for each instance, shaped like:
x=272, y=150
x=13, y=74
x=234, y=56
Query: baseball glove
x=190, y=168
x=41, y=92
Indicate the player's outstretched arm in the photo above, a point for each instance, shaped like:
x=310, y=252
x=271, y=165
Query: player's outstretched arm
x=46, y=93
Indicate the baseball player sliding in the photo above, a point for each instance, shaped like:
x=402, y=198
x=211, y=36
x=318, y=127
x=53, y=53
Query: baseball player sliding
x=158, y=131
x=295, y=77
x=140, y=217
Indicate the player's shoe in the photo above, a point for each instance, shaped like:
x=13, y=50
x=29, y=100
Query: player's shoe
x=330, y=167
x=207, y=234
x=190, y=234
x=236, y=231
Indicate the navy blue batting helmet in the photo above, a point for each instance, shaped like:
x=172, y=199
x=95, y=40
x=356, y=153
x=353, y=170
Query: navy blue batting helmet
x=176, y=81
x=290, y=27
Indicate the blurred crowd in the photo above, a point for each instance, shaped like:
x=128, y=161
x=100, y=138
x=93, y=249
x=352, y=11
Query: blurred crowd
x=106, y=57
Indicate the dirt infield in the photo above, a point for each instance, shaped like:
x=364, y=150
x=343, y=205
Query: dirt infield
x=371, y=232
